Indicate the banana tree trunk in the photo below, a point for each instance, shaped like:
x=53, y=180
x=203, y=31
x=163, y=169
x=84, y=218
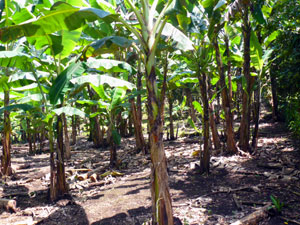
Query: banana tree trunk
x=95, y=130
x=122, y=125
x=229, y=71
x=161, y=199
x=205, y=154
x=74, y=130
x=60, y=166
x=213, y=127
x=130, y=125
x=275, y=113
x=189, y=100
x=246, y=95
x=212, y=121
x=34, y=142
x=66, y=140
x=231, y=145
x=42, y=138
x=138, y=131
x=139, y=98
x=256, y=116
x=53, y=173
x=23, y=133
x=29, y=136
x=172, y=136
x=112, y=145
x=6, y=157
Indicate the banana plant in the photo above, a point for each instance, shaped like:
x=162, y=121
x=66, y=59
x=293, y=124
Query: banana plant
x=110, y=102
x=9, y=60
x=240, y=10
x=151, y=23
x=213, y=11
x=7, y=20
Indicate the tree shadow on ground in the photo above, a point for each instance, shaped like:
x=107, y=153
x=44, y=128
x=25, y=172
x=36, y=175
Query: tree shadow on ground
x=68, y=214
x=136, y=216
x=23, y=197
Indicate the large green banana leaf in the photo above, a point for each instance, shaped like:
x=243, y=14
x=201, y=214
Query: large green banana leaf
x=109, y=65
x=69, y=111
x=24, y=107
x=60, y=44
x=107, y=45
x=182, y=42
x=61, y=83
x=98, y=80
x=62, y=16
x=15, y=59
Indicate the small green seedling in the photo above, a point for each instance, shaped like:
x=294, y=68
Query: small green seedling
x=277, y=204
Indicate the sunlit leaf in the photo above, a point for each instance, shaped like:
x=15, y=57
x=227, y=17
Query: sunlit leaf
x=62, y=16
x=109, y=65
x=62, y=81
x=98, y=80
x=69, y=111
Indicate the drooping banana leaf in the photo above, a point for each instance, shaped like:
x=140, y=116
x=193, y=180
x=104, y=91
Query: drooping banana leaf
x=61, y=44
x=117, y=97
x=106, y=45
x=15, y=59
x=98, y=80
x=109, y=65
x=30, y=98
x=182, y=42
x=69, y=111
x=256, y=52
x=25, y=107
x=61, y=83
x=62, y=16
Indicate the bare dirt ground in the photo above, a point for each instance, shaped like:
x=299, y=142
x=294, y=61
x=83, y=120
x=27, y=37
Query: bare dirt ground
x=236, y=186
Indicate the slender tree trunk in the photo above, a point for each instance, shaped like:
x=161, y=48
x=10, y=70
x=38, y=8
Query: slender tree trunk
x=42, y=138
x=34, y=142
x=161, y=199
x=61, y=184
x=95, y=130
x=217, y=112
x=205, y=154
x=172, y=136
x=138, y=131
x=130, y=125
x=275, y=113
x=6, y=157
x=53, y=172
x=66, y=140
x=229, y=71
x=212, y=122
x=122, y=125
x=231, y=145
x=29, y=136
x=213, y=127
x=239, y=96
x=139, y=98
x=189, y=100
x=74, y=130
x=23, y=133
x=246, y=95
x=112, y=144
x=256, y=116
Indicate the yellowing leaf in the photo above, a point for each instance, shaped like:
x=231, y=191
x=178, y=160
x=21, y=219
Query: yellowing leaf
x=196, y=153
